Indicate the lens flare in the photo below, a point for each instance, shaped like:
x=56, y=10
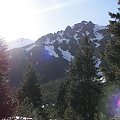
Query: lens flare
x=118, y=103
x=115, y=104
x=110, y=102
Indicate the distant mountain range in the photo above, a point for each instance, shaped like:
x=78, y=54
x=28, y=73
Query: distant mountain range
x=51, y=54
x=19, y=43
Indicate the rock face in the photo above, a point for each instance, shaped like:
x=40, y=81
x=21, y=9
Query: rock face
x=51, y=54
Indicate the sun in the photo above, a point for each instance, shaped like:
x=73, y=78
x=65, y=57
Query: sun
x=18, y=18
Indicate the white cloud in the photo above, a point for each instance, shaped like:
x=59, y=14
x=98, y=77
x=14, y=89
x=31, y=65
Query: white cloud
x=58, y=5
x=51, y=8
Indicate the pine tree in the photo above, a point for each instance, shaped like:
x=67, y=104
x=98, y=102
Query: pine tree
x=84, y=88
x=31, y=87
x=112, y=72
x=24, y=109
x=6, y=102
x=112, y=53
x=31, y=93
x=3, y=60
x=61, y=100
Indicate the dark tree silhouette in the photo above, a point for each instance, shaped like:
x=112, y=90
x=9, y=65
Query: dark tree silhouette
x=6, y=103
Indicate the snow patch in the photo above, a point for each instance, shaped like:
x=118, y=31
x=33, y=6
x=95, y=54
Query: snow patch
x=51, y=51
x=102, y=79
x=98, y=35
x=22, y=42
x=18, y=118
x=97, y=27
x=43, y=106
x=79, y=30
x=87, y=33
x=61, y=33
x=31, y=47
x=97, y=44
x=75, y=36
x=83, y=34
x=66, y=55
x=63, y=39
x=48, y=42
x=98, y=63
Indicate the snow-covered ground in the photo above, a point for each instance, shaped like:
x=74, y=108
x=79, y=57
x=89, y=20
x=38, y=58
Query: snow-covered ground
x=18, y=118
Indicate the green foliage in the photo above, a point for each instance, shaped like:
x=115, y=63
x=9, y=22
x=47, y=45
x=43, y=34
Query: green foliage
x=84, y=88
x=112, y=53
x=51, y=110
x=108, y=103
x=70, y=114
x=114, y=26
x=24, y=109
x=40, y=114
x=30, y=97
x=50, y=91
x=111, y=88
x=85, y=61
x=61, y=100
x=99, y=116
x=31, y=87
x=3, y=60
x=6, y=102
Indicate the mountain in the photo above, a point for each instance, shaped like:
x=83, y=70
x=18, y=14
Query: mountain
x=51, y=54
x=21, y=42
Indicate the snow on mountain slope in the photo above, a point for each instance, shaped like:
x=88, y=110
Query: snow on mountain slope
x=64, y=41
x=67, y=41
x=27, y=49
x=66, y=55
x=21, y=42
x=52, y=53
x=98, y=35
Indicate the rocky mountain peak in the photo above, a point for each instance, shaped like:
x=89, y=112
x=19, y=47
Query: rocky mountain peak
x=52, y=53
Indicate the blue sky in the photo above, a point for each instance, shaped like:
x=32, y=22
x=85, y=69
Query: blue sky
x=34, y=18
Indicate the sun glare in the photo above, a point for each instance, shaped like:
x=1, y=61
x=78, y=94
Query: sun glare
x=28, y=18
x=18, y=19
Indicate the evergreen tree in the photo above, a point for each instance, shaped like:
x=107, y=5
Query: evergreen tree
x=30, y=93
x=31, y=87
x=24, y=109
x=84, y=88
x=112, y=73
x=6, y=103
x=112, y=53
x=61, y=100
x=3, y=60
